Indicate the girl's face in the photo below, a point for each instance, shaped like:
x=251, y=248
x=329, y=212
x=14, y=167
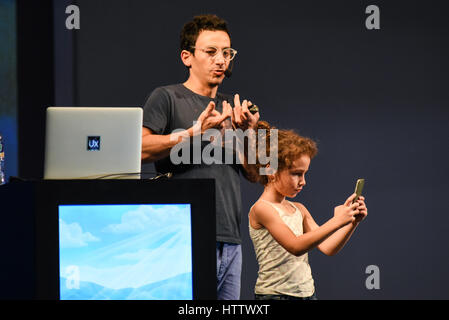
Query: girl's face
x=289, y=182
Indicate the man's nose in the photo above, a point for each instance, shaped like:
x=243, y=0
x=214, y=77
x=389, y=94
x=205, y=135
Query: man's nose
x=219, y=58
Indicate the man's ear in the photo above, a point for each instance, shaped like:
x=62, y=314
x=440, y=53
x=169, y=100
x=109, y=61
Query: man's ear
x=186, y=56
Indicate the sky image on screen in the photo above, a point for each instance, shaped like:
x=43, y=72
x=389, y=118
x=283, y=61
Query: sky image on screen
x=125, y=252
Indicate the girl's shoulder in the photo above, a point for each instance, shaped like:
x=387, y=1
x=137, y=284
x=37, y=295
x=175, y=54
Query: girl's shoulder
x=261, y=205
x=299, y=205
x=302, y=208
x=263, y=208
x=264, y=214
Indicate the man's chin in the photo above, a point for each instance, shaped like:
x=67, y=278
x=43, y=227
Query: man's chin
x=217, y=80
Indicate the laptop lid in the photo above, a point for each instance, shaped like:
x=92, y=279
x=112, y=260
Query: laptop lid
x=93, y=142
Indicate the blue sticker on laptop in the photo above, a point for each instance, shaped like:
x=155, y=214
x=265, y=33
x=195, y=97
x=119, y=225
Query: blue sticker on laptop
x=93, y=143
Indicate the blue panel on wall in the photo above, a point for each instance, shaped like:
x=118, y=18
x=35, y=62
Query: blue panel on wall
x=8, y=85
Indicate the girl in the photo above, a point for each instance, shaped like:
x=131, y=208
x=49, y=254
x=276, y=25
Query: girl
x=283, y=232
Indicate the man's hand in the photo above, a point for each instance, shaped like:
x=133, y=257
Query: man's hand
x=241, y=116
x=211, y=118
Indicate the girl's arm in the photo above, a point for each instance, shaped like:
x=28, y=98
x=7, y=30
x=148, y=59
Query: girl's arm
x=265, y=215
x=334, y=243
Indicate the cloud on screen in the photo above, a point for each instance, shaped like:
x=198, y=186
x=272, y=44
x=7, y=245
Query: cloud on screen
x=72, y=235
x=150, y=217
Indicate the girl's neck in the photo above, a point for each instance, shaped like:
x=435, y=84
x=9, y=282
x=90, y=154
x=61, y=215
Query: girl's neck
x=272, y=195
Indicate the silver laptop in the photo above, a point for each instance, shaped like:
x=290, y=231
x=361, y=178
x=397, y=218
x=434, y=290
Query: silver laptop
x=93, y=143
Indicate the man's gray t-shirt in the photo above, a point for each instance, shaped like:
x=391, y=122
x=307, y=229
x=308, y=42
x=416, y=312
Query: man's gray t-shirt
x=175, y=107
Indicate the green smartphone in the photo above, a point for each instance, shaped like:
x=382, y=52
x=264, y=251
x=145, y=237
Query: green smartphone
x=358, y=189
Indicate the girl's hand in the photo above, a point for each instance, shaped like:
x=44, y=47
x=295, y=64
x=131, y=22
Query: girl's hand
x=363, y=210
x=345, y=213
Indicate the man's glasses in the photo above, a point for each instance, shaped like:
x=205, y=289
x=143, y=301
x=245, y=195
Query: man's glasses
x=228, y=53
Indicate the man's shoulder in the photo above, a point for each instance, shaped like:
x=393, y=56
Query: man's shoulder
x=171, y=88
x=166, y=93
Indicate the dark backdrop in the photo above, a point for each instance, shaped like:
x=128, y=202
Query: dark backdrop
x=376, y=101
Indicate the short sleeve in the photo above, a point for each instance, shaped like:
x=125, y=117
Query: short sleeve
x=156, y=111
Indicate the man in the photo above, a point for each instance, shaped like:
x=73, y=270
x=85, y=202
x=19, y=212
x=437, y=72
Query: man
x=206, y=52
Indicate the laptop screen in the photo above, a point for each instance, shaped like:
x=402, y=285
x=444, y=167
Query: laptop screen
x=125, y=252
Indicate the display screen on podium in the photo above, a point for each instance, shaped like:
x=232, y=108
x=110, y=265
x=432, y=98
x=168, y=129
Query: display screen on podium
x=114, y=239
x=125, y=252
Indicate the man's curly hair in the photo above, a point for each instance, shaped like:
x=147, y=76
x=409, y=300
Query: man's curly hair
x=192, y=29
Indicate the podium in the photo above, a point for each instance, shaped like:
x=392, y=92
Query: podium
x=35, y=239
